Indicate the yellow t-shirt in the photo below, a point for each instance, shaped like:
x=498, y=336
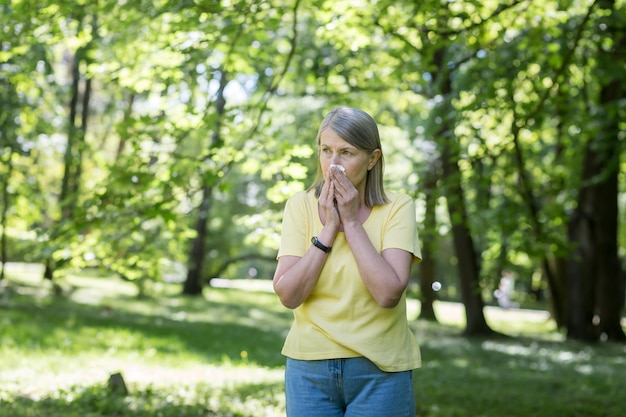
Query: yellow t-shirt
x=341, y=319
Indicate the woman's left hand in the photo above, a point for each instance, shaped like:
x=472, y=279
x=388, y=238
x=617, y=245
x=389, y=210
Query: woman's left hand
x=346, y=196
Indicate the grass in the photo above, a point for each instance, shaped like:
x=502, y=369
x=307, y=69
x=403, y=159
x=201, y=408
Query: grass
x=219, y=355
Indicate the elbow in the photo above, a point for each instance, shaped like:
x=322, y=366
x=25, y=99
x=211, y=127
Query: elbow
x=289, y=304
x=288, y=301
x=391, y=296
x=389, y=299
x=388, y=302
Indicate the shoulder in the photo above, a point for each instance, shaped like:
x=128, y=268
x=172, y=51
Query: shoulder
x=398, y=199
x=301, y=199
x=398, y=205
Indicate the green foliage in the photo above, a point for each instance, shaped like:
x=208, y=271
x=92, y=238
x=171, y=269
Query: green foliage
x=524, y=102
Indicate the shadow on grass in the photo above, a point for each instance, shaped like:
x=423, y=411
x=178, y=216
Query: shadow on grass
x=243, y=400
x=477, y=377
x=234, y=329
x=503, y=376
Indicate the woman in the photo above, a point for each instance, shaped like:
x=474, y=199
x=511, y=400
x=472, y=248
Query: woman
x=345, y=256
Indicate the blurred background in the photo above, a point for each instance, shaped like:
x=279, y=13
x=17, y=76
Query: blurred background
x=157, y=141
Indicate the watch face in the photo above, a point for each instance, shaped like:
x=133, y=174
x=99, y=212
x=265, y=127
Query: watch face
x=319, y=244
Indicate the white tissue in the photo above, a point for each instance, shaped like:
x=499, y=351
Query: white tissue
x=340, y=167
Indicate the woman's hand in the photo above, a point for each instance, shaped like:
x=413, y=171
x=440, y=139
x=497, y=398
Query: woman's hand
x=326, y=202
x=346, y=196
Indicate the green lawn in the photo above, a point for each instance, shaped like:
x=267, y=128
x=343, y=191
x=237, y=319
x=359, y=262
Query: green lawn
x=220, y=356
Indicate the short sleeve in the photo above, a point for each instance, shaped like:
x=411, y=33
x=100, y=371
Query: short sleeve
x=293, y=240
x=401, y=227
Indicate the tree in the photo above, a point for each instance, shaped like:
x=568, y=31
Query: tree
x=597, y=283
x=440, y=61
x=80, y=93
x=428, y=239
x=136, y=135
x=469, y=267
x=9, y=101
x=194, y=282
x=245, y=28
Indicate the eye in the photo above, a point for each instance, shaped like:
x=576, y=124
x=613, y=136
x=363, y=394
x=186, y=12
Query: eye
x=346, y=152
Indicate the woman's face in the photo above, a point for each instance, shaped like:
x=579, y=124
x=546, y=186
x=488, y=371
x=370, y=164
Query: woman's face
x=333, y=150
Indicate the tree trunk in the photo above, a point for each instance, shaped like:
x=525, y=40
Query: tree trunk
x=9, y=106
x=468, y=266
x=555, y=270
x=599, y=281
x=69, y=181
x=73, y=152
x=580, y=272
x=467, y=262
x=610, y=277
x=610, y=285
x=595, y=277
x=194, y=282
x=427, y=278
x=5, y=211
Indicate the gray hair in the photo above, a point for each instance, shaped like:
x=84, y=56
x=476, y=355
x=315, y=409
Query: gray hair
x=359, y=129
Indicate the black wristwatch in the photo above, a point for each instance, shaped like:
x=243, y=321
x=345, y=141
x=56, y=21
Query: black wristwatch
x=320, y=245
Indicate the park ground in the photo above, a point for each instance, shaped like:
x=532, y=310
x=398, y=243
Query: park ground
x=219, y=355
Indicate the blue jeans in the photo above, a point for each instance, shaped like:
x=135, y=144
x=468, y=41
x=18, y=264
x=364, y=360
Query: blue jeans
x=353, y=387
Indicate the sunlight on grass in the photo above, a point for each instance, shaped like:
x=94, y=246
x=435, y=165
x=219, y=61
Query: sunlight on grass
x=219, y=355
x=221, y=352
x=513, y=322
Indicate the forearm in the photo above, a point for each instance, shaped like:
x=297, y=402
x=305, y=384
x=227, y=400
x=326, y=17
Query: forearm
x=384, y=282
x=296, y=284
x=296, y=278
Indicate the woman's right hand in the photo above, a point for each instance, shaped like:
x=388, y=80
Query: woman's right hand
x=328, y=205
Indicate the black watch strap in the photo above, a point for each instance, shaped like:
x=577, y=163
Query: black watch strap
x=320, y=245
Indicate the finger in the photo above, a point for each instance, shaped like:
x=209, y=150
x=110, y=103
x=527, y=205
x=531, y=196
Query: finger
x=335, y=176
x=325, y=189
x=342, y=184
x=327, y=195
